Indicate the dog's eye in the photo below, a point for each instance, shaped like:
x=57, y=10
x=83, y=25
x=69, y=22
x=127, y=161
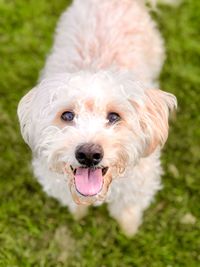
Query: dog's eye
x=113, y=117
x=67, y=116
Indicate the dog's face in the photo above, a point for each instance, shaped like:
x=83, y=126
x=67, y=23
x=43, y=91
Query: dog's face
x=92, y=127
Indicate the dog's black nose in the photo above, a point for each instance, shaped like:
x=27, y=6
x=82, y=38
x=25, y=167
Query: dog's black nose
x=89, y=154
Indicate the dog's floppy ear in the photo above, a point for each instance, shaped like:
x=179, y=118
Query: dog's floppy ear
x=24, y=111
x=153, y=113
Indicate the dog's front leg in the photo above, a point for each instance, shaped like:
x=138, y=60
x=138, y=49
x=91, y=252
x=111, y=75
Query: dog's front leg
x=78, y=211
x=128, y=215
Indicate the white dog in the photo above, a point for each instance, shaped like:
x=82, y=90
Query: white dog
x=96, y=121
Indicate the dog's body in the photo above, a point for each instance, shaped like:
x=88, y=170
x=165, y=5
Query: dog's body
x=97, y=99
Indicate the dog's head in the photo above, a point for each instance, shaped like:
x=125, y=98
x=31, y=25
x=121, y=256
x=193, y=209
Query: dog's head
x=92, y=127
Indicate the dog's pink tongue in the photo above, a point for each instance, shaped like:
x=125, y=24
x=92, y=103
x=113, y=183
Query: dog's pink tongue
x=88, y=181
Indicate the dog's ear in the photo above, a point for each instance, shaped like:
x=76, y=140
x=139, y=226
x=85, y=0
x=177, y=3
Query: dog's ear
x=153, y=113
x=24, y=111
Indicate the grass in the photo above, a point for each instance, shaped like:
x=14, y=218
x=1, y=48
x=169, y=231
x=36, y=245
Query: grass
x=34, y=229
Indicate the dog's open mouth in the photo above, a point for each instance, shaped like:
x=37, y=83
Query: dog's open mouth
x=89, y=181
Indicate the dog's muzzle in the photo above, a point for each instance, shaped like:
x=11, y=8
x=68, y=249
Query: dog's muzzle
x=89, y=180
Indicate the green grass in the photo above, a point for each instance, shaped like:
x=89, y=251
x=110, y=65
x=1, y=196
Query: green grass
x=34, y=229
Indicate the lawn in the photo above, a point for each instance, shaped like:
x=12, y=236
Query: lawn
x=34, y=229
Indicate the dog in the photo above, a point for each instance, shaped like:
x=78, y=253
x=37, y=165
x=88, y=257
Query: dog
x=96, y=121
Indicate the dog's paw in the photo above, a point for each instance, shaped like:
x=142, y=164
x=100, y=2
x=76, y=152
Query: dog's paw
x=79, y=212
x=130, y=221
